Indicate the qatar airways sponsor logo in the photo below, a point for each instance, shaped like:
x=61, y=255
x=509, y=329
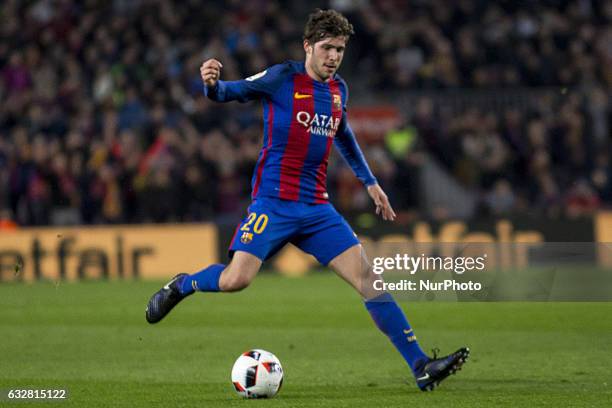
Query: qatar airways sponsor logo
x=319, y=124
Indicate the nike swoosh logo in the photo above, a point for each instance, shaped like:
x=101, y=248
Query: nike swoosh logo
x=167, y=285
x=425, y=377
x=407, y=331
x=298, y=95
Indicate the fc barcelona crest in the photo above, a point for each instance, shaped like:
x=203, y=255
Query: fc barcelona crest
x=337, y=102
x=246, y=238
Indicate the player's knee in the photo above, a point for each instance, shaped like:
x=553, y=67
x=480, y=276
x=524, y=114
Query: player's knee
x=367, y=279
x=240, y=272
x=234, y=283
x=240, y=283
x=366, y=269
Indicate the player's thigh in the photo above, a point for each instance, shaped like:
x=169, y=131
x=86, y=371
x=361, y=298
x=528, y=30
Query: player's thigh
x=354, y=267
x=325, y=234
x=240, y=272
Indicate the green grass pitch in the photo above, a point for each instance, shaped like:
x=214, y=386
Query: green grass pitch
x=92, y=339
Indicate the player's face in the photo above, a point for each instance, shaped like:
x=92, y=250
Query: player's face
x=323, y=58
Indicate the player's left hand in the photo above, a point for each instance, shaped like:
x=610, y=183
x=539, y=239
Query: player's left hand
x=383, y=207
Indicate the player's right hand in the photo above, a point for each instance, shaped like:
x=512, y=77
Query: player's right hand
x=211, y=71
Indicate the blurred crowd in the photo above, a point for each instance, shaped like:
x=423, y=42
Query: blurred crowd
x=476, y=43
x=551, y=158
x=103, y=119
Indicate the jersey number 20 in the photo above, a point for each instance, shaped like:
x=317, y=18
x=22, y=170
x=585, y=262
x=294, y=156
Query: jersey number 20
x=260, y=223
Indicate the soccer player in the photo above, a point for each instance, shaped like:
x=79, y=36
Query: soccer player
x=304, y=114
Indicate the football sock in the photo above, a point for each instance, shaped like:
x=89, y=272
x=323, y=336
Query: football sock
x=391, y=320
x=207, y=280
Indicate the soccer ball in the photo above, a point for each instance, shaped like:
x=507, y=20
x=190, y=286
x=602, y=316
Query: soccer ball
x=257, y=374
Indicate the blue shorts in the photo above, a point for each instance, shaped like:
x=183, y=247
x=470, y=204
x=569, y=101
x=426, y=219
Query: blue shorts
x=271, y=223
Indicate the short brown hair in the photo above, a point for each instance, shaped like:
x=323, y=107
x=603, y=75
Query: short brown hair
x=326, y=23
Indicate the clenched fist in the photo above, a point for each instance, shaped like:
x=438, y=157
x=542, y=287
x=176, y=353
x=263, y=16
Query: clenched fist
x=210, y=72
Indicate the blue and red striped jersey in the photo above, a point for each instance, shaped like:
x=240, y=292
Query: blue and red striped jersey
x=302, y=118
